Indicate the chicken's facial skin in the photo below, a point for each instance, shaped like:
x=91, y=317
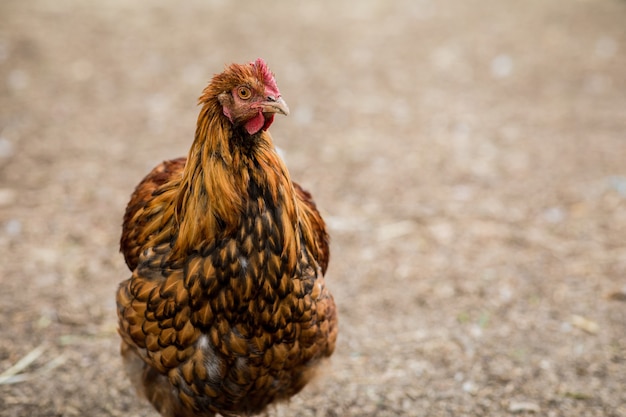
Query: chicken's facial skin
x=252, y=109
x=254, y=101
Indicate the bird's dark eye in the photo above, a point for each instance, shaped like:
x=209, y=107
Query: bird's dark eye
x=244, y=93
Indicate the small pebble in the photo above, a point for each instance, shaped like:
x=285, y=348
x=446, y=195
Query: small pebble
x=13, y=227
x=501, y=66
x=18, y=80
x=618, y=183
x=7, y=197
x=606, y=47
x=523, y=406
x=585, y=324
x=6, y=148
x=554, y=215
x=470, y=387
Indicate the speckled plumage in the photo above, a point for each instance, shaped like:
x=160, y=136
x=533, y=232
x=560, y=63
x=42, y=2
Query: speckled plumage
x=226, y=310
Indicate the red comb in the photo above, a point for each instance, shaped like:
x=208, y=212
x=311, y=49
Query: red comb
x=268, y=78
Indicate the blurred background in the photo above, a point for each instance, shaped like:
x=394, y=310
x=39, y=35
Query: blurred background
x=469, y=157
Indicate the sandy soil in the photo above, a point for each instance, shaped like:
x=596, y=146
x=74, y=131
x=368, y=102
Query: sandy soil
x=470, y=158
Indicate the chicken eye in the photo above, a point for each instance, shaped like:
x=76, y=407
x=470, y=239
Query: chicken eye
x=244, y=93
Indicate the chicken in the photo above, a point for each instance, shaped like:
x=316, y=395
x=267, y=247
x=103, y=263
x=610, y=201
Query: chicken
x=226, y=310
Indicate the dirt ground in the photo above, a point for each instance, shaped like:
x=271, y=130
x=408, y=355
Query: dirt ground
x=469, y=157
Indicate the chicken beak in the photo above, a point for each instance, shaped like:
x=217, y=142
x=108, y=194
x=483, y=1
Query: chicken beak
x=275, y=105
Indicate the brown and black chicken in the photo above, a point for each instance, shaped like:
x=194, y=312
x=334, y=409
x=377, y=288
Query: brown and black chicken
x=226, y=310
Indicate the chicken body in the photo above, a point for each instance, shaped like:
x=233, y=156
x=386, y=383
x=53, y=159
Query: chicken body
x=226, y=310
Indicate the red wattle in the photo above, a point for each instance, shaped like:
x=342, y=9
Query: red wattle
x=255, y=124
x=268, y=121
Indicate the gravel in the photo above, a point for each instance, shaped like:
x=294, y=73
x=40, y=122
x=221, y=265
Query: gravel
x=468, y=156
